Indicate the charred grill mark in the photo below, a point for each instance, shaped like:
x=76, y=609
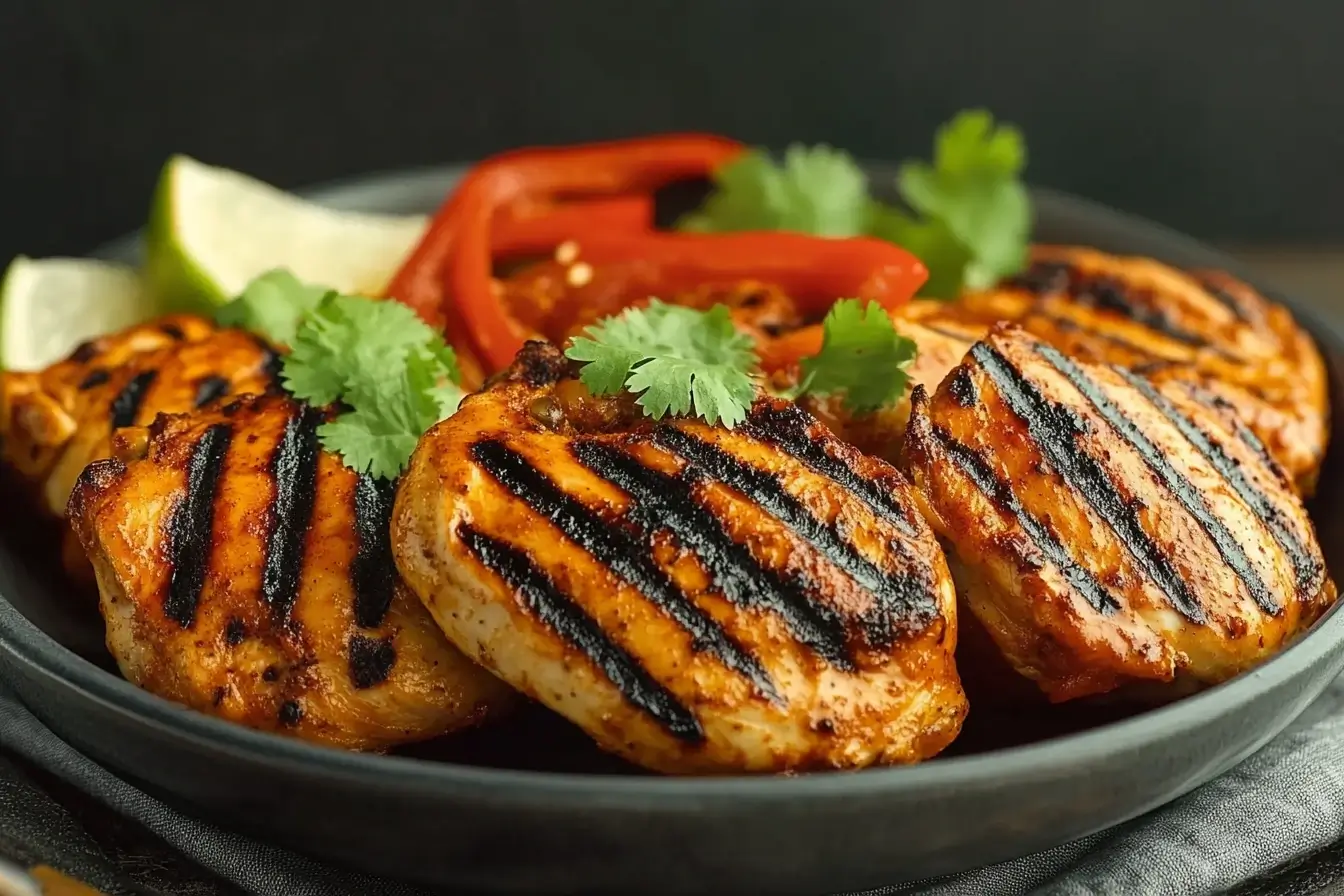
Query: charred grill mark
x=86, y=352
x=1307, y=567
x=235, y=632
x=126, y=404
x=270, y=364
x=942, y=330
x=371, y=660
x=975, y=468
x=372, y=573
x=665, y=502
x=291, y=713
x=172, y=331
x=897, y=597
x=210, y=388
x=191, y=525
x=95, y=379
x=1054, y=427
x=556, y=610
x=1180, y=487
x=294, y=473
x=787, y=428
x=1068, y=325
x=963, y=389
x=1104, y=292
x=1041, y=278
x=1223, y=297
x=620, y=553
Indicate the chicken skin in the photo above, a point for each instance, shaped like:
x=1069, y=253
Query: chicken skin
x=1106, y=531
x=1203, y=327
x=246, y=573
x=698, y=600
x=54, y=422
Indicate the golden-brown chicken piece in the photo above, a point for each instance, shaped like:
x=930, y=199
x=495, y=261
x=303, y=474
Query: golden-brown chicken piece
x=1202, y=327
x=1107, y=531
x=698, y=600
x=54, y=422
x=248, y=574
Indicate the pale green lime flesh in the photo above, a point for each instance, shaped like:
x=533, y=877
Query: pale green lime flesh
x=48, y=306
x=211, y=230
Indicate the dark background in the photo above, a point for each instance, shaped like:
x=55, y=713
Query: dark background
x=1222, y=118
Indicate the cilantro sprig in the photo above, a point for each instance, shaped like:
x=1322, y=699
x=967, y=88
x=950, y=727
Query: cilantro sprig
x=967, y=215
x=680, y=360
x=862, y=356
x=389, y=371
x=676, y=359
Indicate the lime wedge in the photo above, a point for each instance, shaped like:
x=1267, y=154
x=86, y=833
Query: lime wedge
x=211, y=230
x=48, y=306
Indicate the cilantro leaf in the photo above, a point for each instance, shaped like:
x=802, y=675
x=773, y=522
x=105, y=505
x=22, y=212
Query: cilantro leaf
x=271, y=305
x=973, y=190
x=677, y=360
x=861, y=355
x=817, y=190
x=968, y=218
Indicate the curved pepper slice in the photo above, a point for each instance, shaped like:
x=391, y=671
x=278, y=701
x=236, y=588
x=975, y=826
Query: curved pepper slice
x=537, y=228
x=456, y=249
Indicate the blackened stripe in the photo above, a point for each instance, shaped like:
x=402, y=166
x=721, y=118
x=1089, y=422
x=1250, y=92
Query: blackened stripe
x=667, y=503
x=787, y=427
x=126, y=404
x=294, y=474
x=1180, y=487
x=95, y=379
x=1306, y=564
x=1054, y=427
x=1098, y=290
x=210, y=388
x=897, y=597
x=621, y=554
x=556, y=610
x=190, y=530
x=372, y=573
x=370, y=660
x=976, y=469
x=1223, y=297
x=271, y=363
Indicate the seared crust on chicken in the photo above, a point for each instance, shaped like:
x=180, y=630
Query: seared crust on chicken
x=1106, y=530
x=248, y=574
x=1203, y=327
x=698, y=600
x=54, y=422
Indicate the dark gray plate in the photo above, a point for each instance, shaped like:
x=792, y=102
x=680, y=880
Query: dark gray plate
x=529, y=808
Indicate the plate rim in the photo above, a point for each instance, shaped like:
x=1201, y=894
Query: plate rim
x=29, y=645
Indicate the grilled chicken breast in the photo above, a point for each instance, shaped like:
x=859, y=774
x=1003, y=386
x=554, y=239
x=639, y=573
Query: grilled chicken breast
x=1204, y=327
x=54, y=422
x=248, y=574
x=697, y=600
x=1107, y=531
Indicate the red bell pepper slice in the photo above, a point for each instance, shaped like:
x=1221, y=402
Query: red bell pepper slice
x=457, y=245
x=539, y=228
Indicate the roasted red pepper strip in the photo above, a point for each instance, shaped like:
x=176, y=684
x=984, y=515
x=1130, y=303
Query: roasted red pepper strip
x=538, y=229
x=813, y=271
x=455, y=252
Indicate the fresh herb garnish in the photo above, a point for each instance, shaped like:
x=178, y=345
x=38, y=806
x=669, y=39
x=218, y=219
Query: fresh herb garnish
x=391, y=373
x=968, y=215
x=681, y=361
x=862, y=356
x=271, y=305
x=676, y=359
x=817, y=190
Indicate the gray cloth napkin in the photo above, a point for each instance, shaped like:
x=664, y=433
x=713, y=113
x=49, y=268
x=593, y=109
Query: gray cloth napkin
x=1283, y=803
